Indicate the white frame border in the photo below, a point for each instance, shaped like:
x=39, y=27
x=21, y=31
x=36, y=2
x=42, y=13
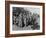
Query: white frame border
x=29, y=31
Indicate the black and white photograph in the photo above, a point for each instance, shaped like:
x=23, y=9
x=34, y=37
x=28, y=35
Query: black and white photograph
x=25, y=18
